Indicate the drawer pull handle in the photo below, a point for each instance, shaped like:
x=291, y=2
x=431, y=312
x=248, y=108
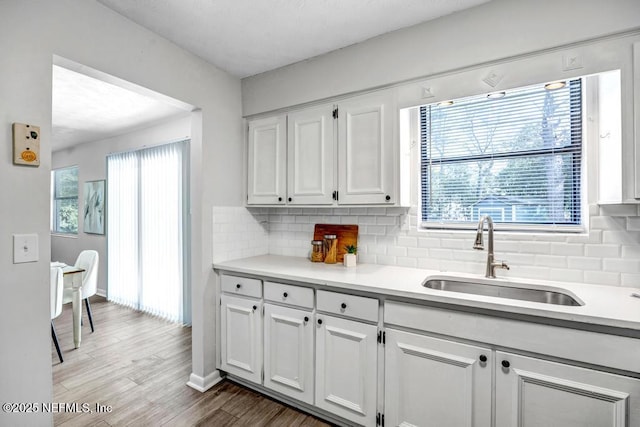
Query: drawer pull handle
x=343, y=305
x=306, y=319
x=279, y=199
x=255, y=307
x=506, y=364
x=238, y=286
x=483, y=358
x=319, y=321
x=387, y=197
x=285, y=295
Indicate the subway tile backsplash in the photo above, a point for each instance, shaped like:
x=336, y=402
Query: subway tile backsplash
x=238, y=233
x=609, y=254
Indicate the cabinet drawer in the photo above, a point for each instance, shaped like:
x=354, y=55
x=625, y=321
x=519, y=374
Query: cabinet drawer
x=237, y=285
x=348, y=305
x=298, y=296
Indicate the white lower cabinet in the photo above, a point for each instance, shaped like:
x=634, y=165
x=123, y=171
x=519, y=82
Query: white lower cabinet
x=241, y=337
x=434, y=382
x=427, y=381
x=288, y=351
x=346, y=369
x=538, y=393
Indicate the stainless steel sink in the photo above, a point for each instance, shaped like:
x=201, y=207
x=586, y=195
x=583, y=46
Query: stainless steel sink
x=496, y=290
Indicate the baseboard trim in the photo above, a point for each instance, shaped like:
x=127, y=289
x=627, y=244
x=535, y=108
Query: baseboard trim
x=101, y=292
x=201, y=384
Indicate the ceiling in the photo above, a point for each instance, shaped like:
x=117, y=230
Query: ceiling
x=247, y=37
x=86, y=109
x=242, y=37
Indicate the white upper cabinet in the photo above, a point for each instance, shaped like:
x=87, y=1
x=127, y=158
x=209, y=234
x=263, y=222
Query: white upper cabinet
x=636, y=115
x=366, y=155
x=311, y=149
x=267, y=161
x=344, y=154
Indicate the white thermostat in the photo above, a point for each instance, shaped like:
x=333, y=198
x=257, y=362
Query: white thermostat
x=26, y=144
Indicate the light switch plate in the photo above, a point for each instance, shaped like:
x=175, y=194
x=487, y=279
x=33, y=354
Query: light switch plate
x=25, y=248
x=26, y=144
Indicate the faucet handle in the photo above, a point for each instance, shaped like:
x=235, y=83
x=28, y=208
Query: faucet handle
x=501, y=264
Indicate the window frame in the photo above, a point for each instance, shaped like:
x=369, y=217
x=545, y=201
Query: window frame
x=55, y=218
x=578, y=150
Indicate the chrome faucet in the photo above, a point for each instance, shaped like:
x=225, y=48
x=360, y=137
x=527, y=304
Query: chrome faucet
x=491, y=263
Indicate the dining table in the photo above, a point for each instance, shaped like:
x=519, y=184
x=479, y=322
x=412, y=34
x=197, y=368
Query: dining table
x=73, y=279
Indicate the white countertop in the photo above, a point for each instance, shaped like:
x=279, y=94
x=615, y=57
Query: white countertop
x=603, y=305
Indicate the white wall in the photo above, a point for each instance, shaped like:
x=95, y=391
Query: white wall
x=90, y=158
x=525, y=42
x=489, y=32
x=31, y=33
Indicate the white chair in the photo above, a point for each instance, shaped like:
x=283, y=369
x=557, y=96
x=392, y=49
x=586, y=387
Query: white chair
x=57, y=286
x=88, y=260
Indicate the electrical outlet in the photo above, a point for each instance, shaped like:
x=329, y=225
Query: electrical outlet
x=26, y=144
x=25, y=248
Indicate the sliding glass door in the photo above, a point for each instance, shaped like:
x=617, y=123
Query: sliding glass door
x=147, y=205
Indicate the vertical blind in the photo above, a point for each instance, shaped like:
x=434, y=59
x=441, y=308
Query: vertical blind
x=517, y=158
x=146, y=223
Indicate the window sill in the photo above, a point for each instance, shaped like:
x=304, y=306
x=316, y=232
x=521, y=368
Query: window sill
x=64, y=235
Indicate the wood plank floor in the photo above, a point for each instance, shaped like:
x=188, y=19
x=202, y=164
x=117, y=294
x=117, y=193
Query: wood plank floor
x=139, y=365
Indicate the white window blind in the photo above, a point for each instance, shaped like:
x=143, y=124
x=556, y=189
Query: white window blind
x=516, y=158
x=146, y=229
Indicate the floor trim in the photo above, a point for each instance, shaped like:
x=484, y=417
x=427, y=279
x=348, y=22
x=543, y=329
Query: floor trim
x=201, y=384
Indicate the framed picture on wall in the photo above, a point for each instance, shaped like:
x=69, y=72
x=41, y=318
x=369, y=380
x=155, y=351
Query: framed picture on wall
x=94, y=212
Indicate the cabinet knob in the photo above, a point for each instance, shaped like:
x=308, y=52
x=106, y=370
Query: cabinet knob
x=285, y=295
x=483, y=358
x=319, y=321
x=289, y=199
x=343, y=305
x=306, y=319
x=255, y=307
x=387, y=197
x=238, y=286
x=279, y=199
x=505, y=364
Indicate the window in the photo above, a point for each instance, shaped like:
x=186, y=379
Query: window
x=64, y=206
x=517, y=157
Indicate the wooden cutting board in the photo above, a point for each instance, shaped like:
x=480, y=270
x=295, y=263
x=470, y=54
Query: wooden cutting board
x=347, y=235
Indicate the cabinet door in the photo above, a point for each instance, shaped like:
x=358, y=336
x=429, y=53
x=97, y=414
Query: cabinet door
x=346, y=369
x=241, y=337
x=434, y=382
x=267, y=161
x=288, y=352
x=310, y=135
x=366, y=156
x=537, y=393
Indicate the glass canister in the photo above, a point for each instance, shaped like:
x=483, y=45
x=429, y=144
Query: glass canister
x=317, y=251
x=330, y=248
